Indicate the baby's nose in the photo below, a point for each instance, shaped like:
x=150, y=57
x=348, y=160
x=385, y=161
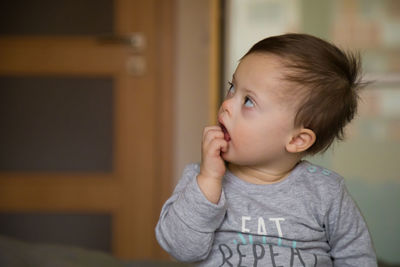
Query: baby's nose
x=226, y=106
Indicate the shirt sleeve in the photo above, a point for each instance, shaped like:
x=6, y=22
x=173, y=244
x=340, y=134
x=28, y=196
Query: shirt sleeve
x=347, y=232
x=188, y=220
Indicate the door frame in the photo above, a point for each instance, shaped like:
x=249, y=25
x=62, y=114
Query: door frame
x=132, y=233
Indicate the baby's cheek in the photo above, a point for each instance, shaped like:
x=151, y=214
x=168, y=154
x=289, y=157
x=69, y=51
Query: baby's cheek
x=253, y=135
x=244, y=135
x=252, y=139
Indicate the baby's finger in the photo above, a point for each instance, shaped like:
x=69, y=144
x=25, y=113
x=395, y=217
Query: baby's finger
x=213, y=134
x=209, y=129
x=224, y=148
x=215, y=147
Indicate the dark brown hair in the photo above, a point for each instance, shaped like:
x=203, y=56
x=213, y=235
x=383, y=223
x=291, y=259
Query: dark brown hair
x=329, y=77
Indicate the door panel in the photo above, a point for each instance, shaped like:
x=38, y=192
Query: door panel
x=62, y=17
x=92, y=146
x=42, y=115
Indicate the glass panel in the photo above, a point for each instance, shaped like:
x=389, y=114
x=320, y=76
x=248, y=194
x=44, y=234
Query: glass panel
x=56, y=124
x=91, y=231
x=61, y=17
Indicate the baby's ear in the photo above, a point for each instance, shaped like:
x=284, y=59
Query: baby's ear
x=301, y=141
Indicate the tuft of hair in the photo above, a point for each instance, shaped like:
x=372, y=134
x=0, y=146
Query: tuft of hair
x=328, y=78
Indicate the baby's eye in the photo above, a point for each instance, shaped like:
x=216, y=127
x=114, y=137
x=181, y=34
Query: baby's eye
x=248, y=103
x=231, y=90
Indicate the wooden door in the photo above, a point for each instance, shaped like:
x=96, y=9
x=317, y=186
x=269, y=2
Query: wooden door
x=130, y=178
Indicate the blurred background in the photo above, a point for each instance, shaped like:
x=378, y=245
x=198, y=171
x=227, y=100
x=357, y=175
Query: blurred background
x=103, y=103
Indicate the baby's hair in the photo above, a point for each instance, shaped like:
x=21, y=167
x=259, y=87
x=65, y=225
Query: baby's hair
x=328, y=79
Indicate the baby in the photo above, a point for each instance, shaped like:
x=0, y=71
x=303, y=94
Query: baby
x=253, y=201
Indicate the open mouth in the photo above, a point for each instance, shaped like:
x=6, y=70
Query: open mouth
x=227, y=137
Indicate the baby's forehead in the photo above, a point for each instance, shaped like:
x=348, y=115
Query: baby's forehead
x=268, y=72
x=259, y=68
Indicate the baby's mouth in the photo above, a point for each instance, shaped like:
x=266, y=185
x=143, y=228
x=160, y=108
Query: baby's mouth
x=227, y=137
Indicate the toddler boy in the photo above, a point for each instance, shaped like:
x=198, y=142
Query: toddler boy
x=253, y=201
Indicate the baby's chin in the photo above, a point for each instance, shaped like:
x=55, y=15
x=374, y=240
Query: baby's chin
x=225, y=156
x=230, y=158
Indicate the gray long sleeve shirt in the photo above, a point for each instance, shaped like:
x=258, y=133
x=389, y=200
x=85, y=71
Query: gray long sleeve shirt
x=308, y=219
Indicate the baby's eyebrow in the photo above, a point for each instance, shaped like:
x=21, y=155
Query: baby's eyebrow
x=251, y=92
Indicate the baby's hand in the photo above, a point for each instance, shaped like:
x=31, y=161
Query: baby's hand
x=212, y=164
x=212, y=167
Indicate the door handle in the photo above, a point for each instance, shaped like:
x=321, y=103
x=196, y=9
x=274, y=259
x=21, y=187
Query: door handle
x=137, y=41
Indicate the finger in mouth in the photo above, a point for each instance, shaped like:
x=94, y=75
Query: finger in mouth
x=227, y=137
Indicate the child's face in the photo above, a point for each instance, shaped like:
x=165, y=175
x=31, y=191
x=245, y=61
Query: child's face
x=257, y=117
